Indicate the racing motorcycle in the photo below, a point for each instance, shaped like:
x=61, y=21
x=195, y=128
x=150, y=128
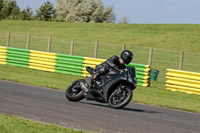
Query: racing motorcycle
x=114, y=88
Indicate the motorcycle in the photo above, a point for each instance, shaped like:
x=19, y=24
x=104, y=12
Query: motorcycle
x=114, y=88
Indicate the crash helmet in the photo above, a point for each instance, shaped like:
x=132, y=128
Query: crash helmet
x=126, y=56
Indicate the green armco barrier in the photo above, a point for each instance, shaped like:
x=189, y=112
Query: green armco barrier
x=140, y=76
x=16, y=63
x=136, y=65
x=140, y=69
x=17, y=49
x=68, y=64
x=140, y=83
x=142, y=73
x=69, y=58
x=68, y=72
x=18, y=53
x=11, y=57
x=65, y=64
x=17, y=57
x=62, y=60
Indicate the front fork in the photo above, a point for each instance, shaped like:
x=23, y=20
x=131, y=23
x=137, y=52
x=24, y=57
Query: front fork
x=120, y=89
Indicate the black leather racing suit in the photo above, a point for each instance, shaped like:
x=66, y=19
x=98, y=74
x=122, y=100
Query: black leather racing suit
x=103, y=68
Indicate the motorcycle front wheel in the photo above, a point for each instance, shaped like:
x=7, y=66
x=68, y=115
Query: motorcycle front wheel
x=118, y=99
x=74, y=92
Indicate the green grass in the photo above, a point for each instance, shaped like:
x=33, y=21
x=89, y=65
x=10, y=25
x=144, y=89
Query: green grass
x=179, y=37
x=168, y=40
x=165, y=36
x=11, y=124
x=35, y=77
x=148, y=95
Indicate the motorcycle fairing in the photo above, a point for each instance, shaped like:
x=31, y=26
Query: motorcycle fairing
x=116, y=80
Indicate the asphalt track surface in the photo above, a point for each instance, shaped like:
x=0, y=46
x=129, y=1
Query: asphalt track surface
x=50, y=106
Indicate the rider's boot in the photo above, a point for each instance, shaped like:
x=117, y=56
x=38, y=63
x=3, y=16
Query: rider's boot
x=89, y=82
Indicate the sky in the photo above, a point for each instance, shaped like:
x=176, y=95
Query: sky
x=144, y=11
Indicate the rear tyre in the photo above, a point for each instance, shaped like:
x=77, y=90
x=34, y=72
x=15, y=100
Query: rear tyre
x=74, y=92
x=119, y=99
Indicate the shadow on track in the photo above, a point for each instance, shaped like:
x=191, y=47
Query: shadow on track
x=139, y=110
x=124, y=109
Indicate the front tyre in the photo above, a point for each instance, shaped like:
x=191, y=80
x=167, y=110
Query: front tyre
x=120, y=98
x=74, y=92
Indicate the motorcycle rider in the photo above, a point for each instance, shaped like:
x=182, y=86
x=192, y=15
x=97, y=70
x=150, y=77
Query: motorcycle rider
x=113, y=62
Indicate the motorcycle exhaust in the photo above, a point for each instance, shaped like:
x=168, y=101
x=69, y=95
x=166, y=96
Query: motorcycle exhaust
x=86, y=92
x=83, y=87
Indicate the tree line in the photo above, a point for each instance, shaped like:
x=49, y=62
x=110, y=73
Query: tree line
x=88, y=11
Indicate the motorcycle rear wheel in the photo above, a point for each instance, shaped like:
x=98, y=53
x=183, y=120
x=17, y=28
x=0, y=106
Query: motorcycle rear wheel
x=119, y=100
x=74, y=92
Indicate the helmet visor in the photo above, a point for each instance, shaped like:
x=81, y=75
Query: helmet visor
x=128, y=60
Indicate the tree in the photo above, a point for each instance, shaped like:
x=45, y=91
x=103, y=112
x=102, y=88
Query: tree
x=124, y=20
x=27, y=14
x=84, y=11
x=46, y=12
x=1, y=6
x=108, y=15
x=79, y=11
x=96, y=16
x=6, y=10
x=15, y=14
x=10, y=10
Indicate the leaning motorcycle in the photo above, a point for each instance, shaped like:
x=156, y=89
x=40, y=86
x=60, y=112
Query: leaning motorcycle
x=114, y=88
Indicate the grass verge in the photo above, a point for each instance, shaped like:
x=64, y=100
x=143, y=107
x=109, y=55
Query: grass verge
x=154, y=95
x=166, y=36
x=11, y=124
